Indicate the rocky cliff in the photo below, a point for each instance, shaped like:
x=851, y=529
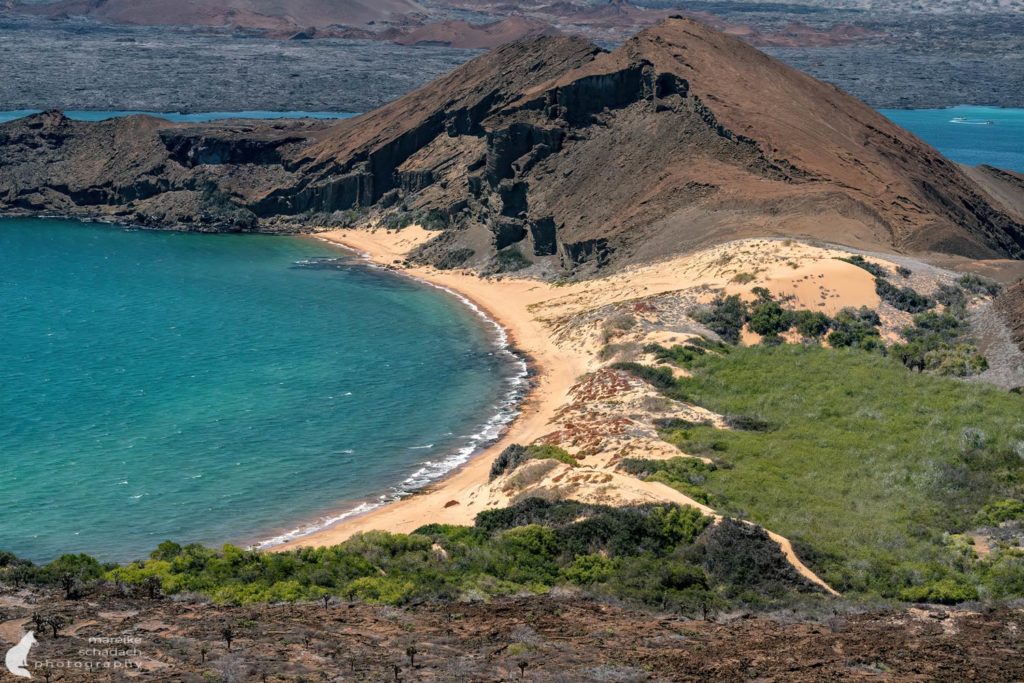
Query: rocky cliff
x=574, y=156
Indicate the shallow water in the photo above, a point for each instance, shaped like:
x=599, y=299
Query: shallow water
x=212, y=388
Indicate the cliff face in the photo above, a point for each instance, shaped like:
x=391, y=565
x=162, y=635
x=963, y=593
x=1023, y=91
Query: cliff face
x=680, y=137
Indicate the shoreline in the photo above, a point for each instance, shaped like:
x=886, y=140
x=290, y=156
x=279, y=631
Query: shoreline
x=452, y=498
x=430, y=473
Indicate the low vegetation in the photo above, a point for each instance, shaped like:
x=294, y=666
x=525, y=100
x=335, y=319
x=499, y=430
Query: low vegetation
x=936, y=343
x=430, y=220
x=873, y=472
x=454, y=258
x=515, y=455
x=663, y=556
x=508, y=260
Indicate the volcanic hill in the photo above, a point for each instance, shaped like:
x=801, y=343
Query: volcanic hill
x=681, y=137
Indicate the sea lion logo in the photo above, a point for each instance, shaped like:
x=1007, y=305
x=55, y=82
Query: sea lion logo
x=17, y=657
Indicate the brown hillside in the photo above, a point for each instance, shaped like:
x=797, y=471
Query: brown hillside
x=680, y=137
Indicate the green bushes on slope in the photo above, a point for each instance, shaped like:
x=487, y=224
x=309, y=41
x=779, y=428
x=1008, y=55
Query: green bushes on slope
x=662, y=556
x=867, y=466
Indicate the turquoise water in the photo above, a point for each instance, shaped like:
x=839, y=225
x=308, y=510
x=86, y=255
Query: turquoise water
x=999, y=143
x=184, y=118
x=212, y=388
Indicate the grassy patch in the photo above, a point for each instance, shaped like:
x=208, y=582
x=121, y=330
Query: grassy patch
x=867, y=468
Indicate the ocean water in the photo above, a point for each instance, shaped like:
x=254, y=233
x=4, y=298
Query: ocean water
x=199, y=117
x=215, y=388
x=982, y=135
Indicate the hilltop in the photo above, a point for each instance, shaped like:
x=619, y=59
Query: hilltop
x=574, y=156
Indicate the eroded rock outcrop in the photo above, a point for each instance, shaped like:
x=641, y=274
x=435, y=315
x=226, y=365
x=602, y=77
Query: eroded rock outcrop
x=574, y=156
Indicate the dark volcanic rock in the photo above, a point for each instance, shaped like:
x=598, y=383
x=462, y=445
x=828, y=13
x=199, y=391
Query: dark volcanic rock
x=680, y=137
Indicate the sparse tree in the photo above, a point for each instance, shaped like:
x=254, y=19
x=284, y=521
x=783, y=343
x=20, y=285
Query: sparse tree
x=522, y=668
x=67, y=582
x=411, y=652
x=228, y=634
x=20, y=574
x=56, y=622
x=39, y=622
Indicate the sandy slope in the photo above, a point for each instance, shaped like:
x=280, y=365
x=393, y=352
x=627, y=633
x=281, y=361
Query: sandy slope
x=597, y=414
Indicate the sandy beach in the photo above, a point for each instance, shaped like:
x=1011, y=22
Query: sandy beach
x=576, y=401
x=507, y=301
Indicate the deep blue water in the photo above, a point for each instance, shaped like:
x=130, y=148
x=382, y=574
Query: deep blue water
x=213, y=388
x=184, y=118
x=999, y=143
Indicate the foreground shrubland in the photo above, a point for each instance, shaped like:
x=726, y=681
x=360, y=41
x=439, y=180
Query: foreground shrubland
x=661, y=556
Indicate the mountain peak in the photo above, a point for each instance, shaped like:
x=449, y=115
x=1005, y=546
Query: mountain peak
x=680, y=137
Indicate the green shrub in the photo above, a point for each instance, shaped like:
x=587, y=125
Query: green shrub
x=667, y=584
x=73, y=573
x=433, y=219
x=944, y=326
x=677, y=355
x=658, y=377
x=509, y=459
x=509, y=260
x=768, y=319
x=961, y=360
x=550, y=452
x=999, y=511
x=742, y=556
x=811, y=324
x=749, y=423
x=976, y=284
x=670, y=424
x=930, y=347
x=946, y=591
x=686, y=475
x=856, y=329
x=708, y=345
x=953, y=298
x=587, y=570
x=902, y=298
x=861, y=262
x=725, y=316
